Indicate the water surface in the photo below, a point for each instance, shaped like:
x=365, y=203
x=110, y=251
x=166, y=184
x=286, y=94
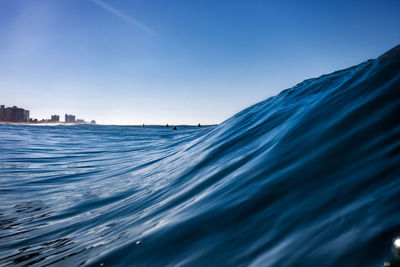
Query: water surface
x=309, y=177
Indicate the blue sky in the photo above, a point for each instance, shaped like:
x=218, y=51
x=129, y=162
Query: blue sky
x=178, y=62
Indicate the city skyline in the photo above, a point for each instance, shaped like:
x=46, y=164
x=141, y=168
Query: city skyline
x=15, y=114
x=178, y=62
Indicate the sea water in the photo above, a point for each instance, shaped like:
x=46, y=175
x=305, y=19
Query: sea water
x=310, y=177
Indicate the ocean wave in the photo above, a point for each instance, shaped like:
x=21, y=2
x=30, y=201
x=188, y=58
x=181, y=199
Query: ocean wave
x=305, y=178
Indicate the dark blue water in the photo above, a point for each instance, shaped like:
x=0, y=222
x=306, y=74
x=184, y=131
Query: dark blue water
x=310, y=177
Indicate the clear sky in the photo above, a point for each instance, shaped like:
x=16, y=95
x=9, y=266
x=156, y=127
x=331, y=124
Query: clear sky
x=181, y=62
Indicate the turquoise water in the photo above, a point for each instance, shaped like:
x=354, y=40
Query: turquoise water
x=309, y=177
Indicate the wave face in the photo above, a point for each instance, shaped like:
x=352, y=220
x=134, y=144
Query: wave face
x=309, y=177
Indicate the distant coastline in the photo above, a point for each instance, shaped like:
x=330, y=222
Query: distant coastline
x=15, y=114
x=120, y=125
x=43, y=123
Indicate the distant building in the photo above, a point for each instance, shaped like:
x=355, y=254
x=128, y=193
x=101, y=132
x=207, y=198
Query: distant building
x=55, y=118
x=92, y=122
x=2, y=113
x=69, y=118
x=17, y=114
x=26, y=115
x=13, y=114
x=80, y=121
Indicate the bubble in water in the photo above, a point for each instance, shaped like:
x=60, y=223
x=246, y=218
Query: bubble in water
x=396, y=242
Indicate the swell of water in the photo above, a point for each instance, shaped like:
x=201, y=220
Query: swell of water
x=309, y=177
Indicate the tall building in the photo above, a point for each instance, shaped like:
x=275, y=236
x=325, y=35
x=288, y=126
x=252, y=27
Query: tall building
x=2, y=113
x=26, y=115
x=13, y=114
x=69, y=118
x=55, y=118
x=17, y=114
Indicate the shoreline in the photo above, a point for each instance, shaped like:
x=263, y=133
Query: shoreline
x=43, y=123
x=127, y=125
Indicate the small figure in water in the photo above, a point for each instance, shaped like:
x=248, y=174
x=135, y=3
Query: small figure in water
x=175, y=128
x=199, y=125
x=143, y=125
x=167, y=125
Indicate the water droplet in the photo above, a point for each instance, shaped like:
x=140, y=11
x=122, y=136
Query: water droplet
x=396, y=242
